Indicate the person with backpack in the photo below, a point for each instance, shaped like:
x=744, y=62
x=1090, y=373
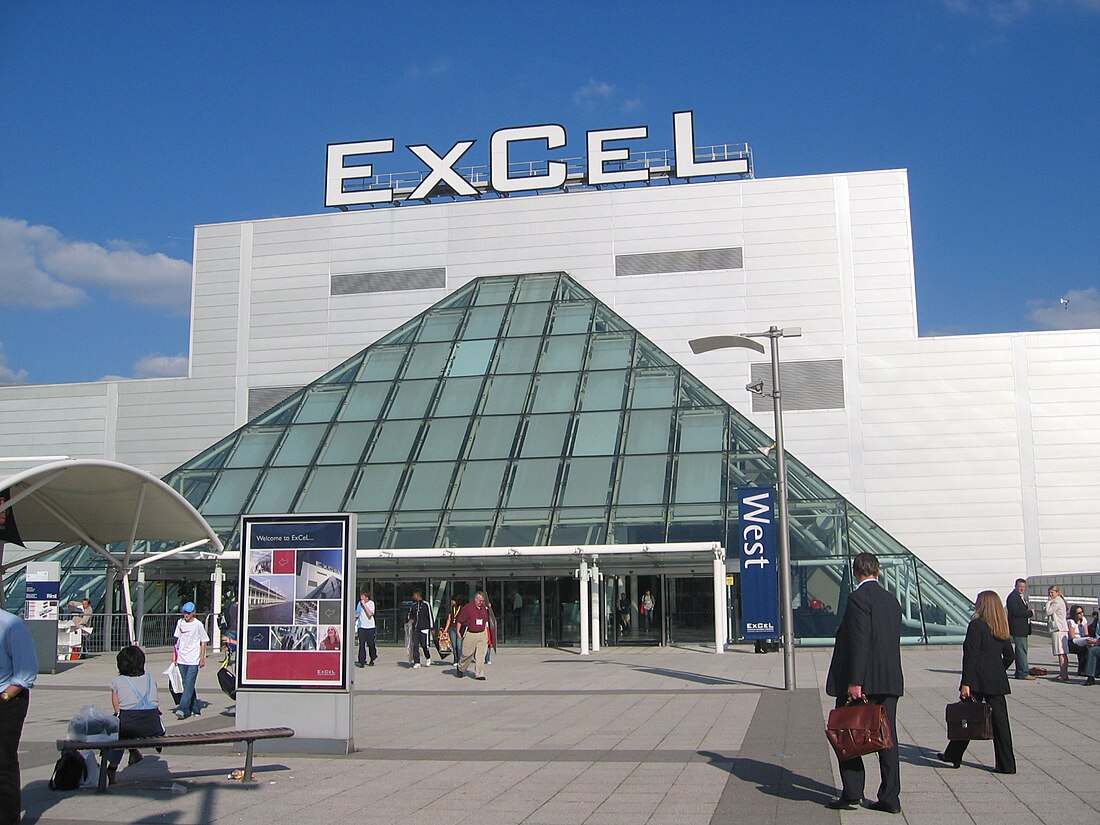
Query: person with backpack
x=18, y=670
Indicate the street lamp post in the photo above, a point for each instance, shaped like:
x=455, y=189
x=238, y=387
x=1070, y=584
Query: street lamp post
x=745, y=341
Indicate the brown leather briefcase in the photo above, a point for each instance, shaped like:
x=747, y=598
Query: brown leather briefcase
x=858, y=729
x=969, y=720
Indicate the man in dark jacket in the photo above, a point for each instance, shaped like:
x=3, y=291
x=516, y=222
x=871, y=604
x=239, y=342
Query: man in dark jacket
x=1019, y=626
x=420, y=616
x=867, y=664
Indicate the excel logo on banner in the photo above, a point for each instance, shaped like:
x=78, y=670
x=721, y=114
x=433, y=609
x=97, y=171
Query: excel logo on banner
x=759, y=574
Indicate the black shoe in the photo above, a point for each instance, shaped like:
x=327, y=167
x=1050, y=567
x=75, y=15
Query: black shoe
x=135, y=757
x=1090, y=680
x=943, y=758
x=111, y=771
x=360, y=664
x=370, y=663
x=842, y=804
x=480, y=678
x=459, y=673
x=1004, y=770
x=882, y=806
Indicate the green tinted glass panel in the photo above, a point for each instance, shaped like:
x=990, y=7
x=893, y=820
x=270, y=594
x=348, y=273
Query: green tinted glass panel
x=494, y=436
x=642, y=479
x=479, y=484
x=428, y=486
x=610, y=352
x=655, y=388
x=254, y=447
x=506, y=393
x=440, y=325
x=365, y=402
x=412, y=399
x=604, y=390
x=702, y=430
x=483, y=322
x=698, y=477
x=443, y=441
x=466, y=528
x=517, y=355
x=325, y=489
x=394, y=441
x=375, y=488
x=563, y=353
x=471, y=357
x=346, y=442
x=648, y=431
x=278, y=487
x=528, y=319
x=382, y=364
x=320, y=404
x=555, y=391
x=427, y=360
x=494, y=291
x=534, y=483
x=536, y=288
x=458, y=396
x=544, y=435
x=588, y=482
x=569, y=318
x=300, y=444
x=597, y=433
x=229, y=492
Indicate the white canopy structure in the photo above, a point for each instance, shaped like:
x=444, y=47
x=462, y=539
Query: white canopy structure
x=97, y=502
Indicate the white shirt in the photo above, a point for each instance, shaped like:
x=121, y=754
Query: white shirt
x=364, y=619
x=189, y=640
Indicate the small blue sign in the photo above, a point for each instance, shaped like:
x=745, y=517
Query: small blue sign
x=759, y=571
x=43, y=591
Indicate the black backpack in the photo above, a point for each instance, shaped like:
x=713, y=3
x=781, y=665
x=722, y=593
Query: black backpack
x=69, y=772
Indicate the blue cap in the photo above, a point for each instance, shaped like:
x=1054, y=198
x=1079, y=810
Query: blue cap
x=188, y=607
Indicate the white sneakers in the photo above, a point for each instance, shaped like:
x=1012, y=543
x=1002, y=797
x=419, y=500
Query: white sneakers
x=416, y=665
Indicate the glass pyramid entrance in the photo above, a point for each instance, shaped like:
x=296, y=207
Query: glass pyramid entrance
x=521, y=411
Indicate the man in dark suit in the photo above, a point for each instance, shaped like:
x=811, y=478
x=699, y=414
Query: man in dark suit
x=867, y=664
x=1019, y=626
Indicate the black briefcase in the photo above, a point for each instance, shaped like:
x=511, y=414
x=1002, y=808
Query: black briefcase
x=969, y=720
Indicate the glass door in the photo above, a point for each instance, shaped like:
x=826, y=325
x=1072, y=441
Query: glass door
x=689, y=605
x=520, y=612
x=562, y=616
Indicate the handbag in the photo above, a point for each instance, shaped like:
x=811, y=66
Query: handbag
x=857, y=729
x=969, y=719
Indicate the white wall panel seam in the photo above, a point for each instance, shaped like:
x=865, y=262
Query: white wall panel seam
x=852, y=393
x=244, y=329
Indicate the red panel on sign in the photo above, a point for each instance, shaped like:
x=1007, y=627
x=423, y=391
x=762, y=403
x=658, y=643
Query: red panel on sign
x=282, y=561
x=293, y=666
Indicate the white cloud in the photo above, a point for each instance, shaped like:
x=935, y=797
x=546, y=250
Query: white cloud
x=1081, y=312
x=632, y=104
x=161, y=366
x=7, y=374
x=41, y=268
x=592, y=92
x=439, y=66
x=1007, y=12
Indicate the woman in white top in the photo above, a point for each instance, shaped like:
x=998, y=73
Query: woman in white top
x=1079, y=636
x=1059, y=631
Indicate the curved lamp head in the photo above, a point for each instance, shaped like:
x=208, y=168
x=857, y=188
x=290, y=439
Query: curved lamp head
x=713, y=342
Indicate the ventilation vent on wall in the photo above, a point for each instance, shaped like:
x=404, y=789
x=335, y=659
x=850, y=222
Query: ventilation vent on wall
x=807, y=385
x=262, y=399
x=692, y=260
x=393, y=280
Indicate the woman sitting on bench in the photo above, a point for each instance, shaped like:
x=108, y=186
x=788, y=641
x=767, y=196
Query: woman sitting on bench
x=134, y=696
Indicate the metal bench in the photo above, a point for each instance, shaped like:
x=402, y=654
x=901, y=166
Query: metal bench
x=219, y=737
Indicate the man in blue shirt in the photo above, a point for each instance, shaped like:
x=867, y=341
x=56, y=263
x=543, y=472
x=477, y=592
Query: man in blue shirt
x=18, y=670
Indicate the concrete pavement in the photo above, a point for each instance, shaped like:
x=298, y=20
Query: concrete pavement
x=627, y=735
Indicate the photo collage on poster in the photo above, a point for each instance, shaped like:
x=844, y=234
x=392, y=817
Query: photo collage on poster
x=294, y=622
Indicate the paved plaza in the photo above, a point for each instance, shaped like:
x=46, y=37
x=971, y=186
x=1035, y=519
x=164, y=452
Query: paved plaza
x=627, y=735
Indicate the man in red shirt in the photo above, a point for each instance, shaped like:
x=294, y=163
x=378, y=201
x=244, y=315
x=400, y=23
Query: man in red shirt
x=473, y=622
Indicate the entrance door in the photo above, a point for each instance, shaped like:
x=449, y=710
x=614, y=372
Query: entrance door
x=689, y=604
x=520, y=612
x=563, y=611
x=627, y=622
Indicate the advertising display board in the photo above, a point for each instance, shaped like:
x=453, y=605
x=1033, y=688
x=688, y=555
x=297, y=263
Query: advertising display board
x=296, y=584
x=759, y=573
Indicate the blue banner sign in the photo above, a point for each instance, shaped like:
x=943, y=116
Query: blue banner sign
x=759, y=571
x=297, y=534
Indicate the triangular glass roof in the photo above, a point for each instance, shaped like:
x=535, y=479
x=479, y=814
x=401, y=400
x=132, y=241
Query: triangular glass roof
x=520, y=410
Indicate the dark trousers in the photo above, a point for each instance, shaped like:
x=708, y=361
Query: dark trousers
x=12, y=714
x=1004, y=759
x=1019, y=644
x=852, y=774
x=367, y=636
x=420, y=641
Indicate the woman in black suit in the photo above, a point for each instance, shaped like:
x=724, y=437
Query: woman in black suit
x=987, y=654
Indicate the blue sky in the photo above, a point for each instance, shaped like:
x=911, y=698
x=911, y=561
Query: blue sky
x=124, y=124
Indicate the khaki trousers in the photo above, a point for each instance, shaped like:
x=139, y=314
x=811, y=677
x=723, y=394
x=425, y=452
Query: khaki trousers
x=474, y=648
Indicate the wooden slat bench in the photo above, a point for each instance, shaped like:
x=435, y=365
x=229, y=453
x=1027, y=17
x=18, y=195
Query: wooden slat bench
x=218, y=737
